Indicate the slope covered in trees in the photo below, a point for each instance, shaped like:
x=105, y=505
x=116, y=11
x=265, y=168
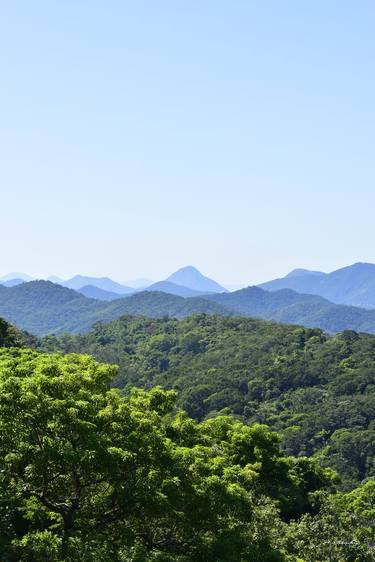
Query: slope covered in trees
x=293, y=308
x=92, y=292
x=11, y=337
x=42, y=307
x=88, y=474
x=317, y=391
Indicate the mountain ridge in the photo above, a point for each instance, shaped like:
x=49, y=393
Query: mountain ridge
x=42, y=307
x=105, y=283
x=173, y=289
x=351, y=285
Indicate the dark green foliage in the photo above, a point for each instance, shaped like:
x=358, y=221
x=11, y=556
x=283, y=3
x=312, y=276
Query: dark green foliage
x=11, y=337
x=318, y=391
x=87, y=474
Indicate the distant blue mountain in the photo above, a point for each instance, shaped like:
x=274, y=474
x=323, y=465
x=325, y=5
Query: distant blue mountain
x=42, y=307
x=104, y=283
x=12, y=282
x=173, y=289
x=352, y=285
x=92, y=292
x=193, y=279
x=16, y=275
x=290, y=307
x=300, y=272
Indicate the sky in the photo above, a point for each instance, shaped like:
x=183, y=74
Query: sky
x=137, y=137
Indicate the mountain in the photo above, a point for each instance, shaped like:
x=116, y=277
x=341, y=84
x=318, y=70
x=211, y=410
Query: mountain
x=353, y=285
x=105, y=283
x=16, y=275
x=299, y=272
x=294, y=308
x=12, y=282
x=193, y=279
x=42, y=307
x=158, y=304
x=173, y=289
x=93, y=292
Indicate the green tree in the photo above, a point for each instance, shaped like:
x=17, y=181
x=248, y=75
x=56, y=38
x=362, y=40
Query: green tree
x=88, y=474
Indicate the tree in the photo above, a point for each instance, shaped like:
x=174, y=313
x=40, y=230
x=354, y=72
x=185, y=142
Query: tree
x=88, y=474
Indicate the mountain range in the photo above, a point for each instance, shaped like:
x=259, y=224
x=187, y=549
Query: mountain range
x=185, y=282
x=309, y=298
x=352, y=285
x=43, y=307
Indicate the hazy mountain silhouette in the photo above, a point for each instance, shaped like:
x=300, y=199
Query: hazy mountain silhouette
x=12, y=282
x=352, y=285
x=16, y=275
x=173, y=289
x=42, y=307
x=193, y=279
x=105, y=283
x=299, y=272
x=92, y=292
x=290, y=307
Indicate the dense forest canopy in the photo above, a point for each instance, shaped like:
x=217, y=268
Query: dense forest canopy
x=88, y=474
x=318, y=391
x=260, y=447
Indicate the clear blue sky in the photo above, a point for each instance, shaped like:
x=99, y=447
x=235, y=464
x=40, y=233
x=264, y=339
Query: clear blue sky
x=140, y=136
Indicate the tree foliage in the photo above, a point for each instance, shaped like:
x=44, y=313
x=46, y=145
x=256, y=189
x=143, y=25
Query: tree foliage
x=89, y=474
x=317, y=391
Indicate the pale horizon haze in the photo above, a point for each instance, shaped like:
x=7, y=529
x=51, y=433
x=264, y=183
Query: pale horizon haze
x=140, y=137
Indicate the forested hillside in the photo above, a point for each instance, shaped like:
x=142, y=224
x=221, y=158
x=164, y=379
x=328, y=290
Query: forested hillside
x=293, y=308
x=11, y=337
x=42, y=307
x=317, y=391
x=89, y=474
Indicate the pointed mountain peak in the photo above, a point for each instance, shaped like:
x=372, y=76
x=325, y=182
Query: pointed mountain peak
x=189, y=276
